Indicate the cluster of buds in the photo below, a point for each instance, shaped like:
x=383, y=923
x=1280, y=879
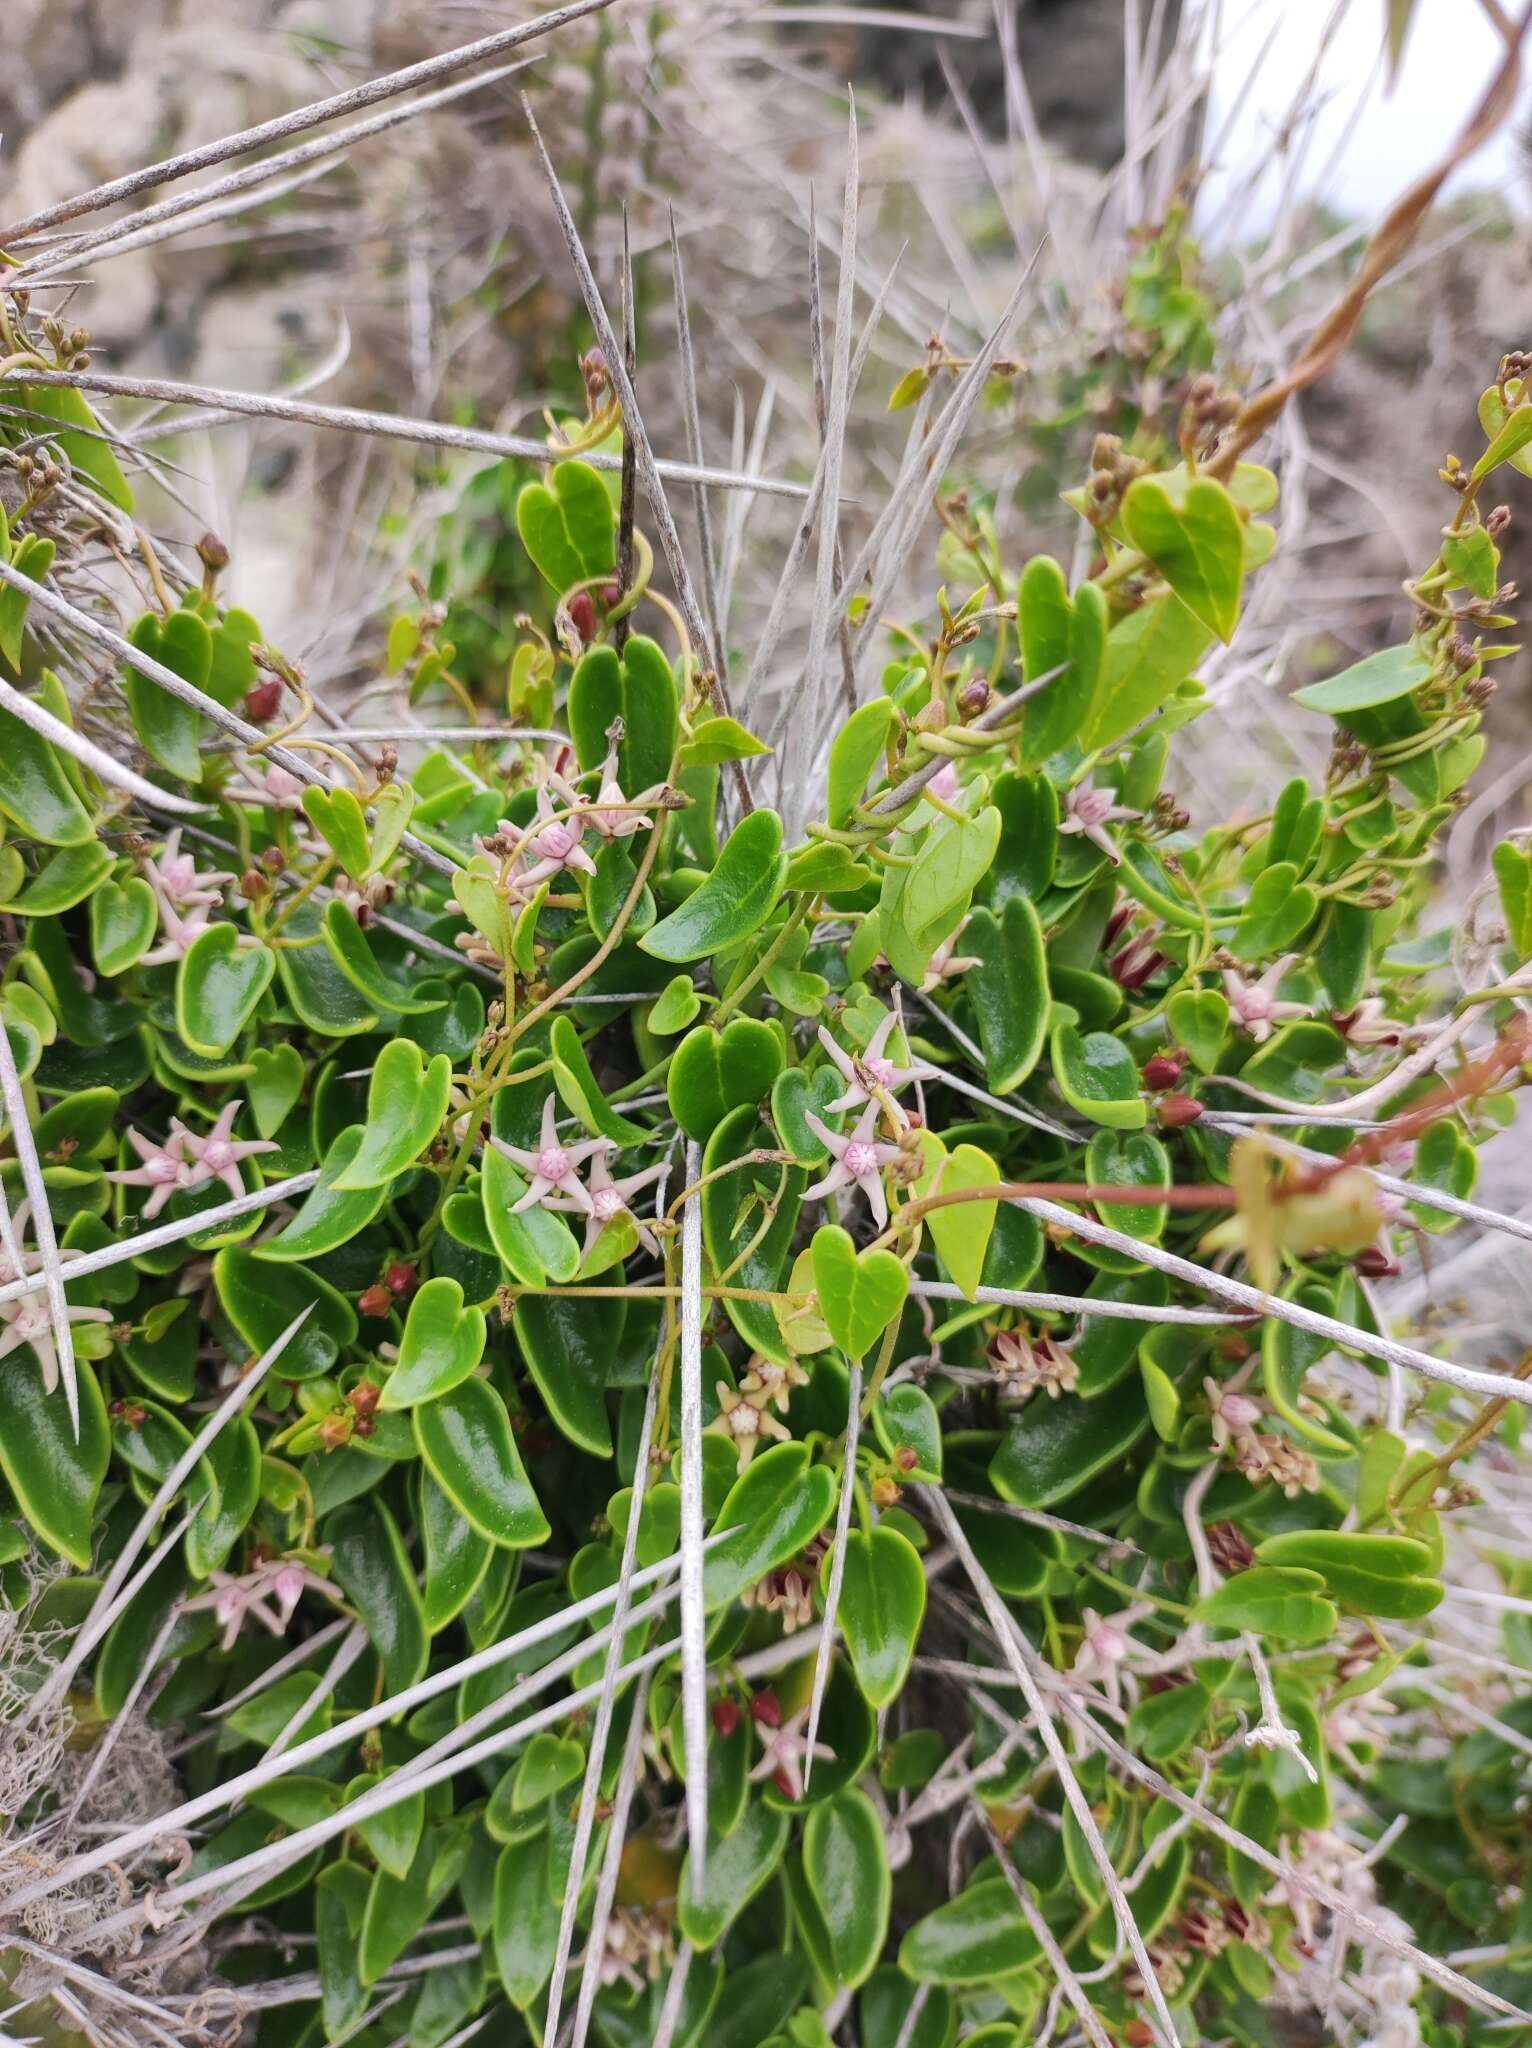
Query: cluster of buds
x=1258, y=1454
x=1166, y=816
x=1111, y=472
x=1025, y=1365
x=70, y=346
x=398, y=1282
x=1205, y=412
x=639, y=1948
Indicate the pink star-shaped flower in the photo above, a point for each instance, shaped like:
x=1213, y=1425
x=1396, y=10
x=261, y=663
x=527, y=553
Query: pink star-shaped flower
x=175, y=879
x=162, y=1168
x=785, y=1747
x=1090, y=810
x=609, y=1199
x=872, y=1069
x=269, y=1593
x=554, y=1167
x=177, y=932
x=615, y=816
x=1254, y=1004
x=217, y=1156
x=859, y=1161
x=556, y=848
x=29, y=1321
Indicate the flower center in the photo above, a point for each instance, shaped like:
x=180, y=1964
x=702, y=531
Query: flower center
x=553, y=1163
x=1255, y=1006
x=744, y=1421
x=882, y=1072
x=217, y=1155
x=606, y=1204
x=1090, y=806
x=558, y=842
x=163, y=1167
x=861, y=1160
x=179, y=875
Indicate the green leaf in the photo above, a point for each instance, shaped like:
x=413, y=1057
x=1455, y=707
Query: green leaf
x=713, y=1072
x=33, y=558
x=860, y=746
x=392, y=1836
x=1198, y=546
x=905, y=1419
x=234, y=1460
x=78, y=434
x=1513, y=873
x=466, y=1441
x=398, y=1908
x=1473, y=559
x=1028, y=851
x=1095, y=1074
x=218, y=985
x=1278, y=910
x=570, y=1344
x=777, y=1505
x=737, y=1866
x=860, y=1293
x=329, y=1216
x=794, y=1094
x=1009, y=990
x=882, y=1606
x=526, y=1917
x=961, y=1233
x=71, y=875
x=581, y=1092
x=443, y=1343
x=1380, y=679
x=374, y=1570
x=1509, y=440
x=392, y=807
x=720, y=739
x=54, y=1478
x=1044, y=617
x=406, y=1101
x=734, y=901
x=1384, y=1577
x=169, y=729
x=35, y=793
x=1053, y=1448
x=953, y=858
x=341, y=1892
x=354, y=957
x=340, y=822
x=845, y=1866
x=976, y=1937
x=1199, y=1022
x=124, y=917
x=1129, y=1159
x=1284, y=1604
x=678, y=1004
x=1149, y=654
x=273, y=1085
x=570, y=530
x=261, y=1299
x=457, y=1555
x=639, y=688
x=321, y=996
x=732, y=1216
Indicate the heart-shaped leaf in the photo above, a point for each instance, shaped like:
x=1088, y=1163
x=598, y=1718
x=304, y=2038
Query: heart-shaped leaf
x=124, y=917
x=443, y=1343
x=637, y=688
x=734, y=901
x=678, y=1004
x=406, y=1101
x=860, y=1293
x=960, y=1232
x=170, y=730
x=261, y=1299
x=54, y=1477
x=1284, y=1603
x=466, y=1440
x=340, y=822
x=733, y=1213
x=1278, y=909
x=391, y=809
x=794, y=1095
x=776, y=1505
x=712, y=1072
x=393, y=1835
x=537, y=1245
x=1199, y=1022
x=218, y=985
x=330, y=1216
x=62, y=882
x=1198, y=545
x=882, y=1605
x=1381, y=1576
x=570, y=530
x=1095, y=1074
x=273, y=1085
x=720, y=739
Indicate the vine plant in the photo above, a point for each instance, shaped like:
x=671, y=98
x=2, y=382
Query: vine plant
x=458, y=1210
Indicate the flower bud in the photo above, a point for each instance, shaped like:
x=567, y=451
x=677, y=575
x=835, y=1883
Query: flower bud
x=375, y=1301
x=261, y=702
x=582, y=615
x=766, y=1708
x=726, y=1716
x=1176, y=1111
x=1163, y=1071
x=212, y=553
x=401, y=1278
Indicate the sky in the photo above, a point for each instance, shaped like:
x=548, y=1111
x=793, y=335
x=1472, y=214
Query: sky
x=1368, y=142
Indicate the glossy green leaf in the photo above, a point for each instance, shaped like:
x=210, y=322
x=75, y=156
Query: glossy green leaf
x=570, y=1345
x=1197, y=544
x=64, y=880
x=33, y=558
x=35, y=793
x=845, y=1866
x=1278, y=910
x=639, y=688
x=1129, y=1159
x=1008, y=988
x=777, y=1504
x=406, y=1101
x=737, y=1866
x=77, y=432
x=882, y=1606
x=348, y=948
x=392, y=1836
x=526, y=1920
x=340, y=1901
x=858, y=748
x=713, y=1072
x=457, y=1555
x=978, y=1936
x=952, y=859
x=732, y=1218
x=466, y=1440
x=124, y=917
x=1381, y=1576
x=570, y=529
x=261, y=1299
x=734, y=901
x=581, y=1092
x=169, y=729
x=234, y=1460
x=373, y=1568
x=1380, y=679
x=1028, y=848
x=218, y=987
x=1285, y=1604
x=536, y=1245
x=962, y=1231
x=338, y=818
x=1054, y=1448
x=720, y=739
x=321, y=996
x=794, y=1095
x=1095, y=1074
x=1149, y=655
x=273, y=1085
x=443, y=1343
x=54, y=1478
x=1056, y=631
x=905, y=1419
x=329, y=1216
x=1199, y=1023
x=860, y=1293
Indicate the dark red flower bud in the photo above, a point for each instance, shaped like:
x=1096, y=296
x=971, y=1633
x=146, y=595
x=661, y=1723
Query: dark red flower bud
x=400, y=1278
x=906, y=1458
x=726, y=1716
x=1163, y=1071
x=261, y=702
x=1179, y=1110
x=582, y=615
x=376, y=1301
x=766, y=1708
x=1375, y=1264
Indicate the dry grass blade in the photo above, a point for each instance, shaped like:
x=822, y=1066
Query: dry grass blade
x=350, y=419
x=42, y=1223
x=1058, y=1962
x=638, y=436
x=693, y=1618
x=1015, y=1653
x=389, y=86
x=675, y=1991
x=826, y=581
x=611, y=1863
x=837, y=1569
x=693, y=417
